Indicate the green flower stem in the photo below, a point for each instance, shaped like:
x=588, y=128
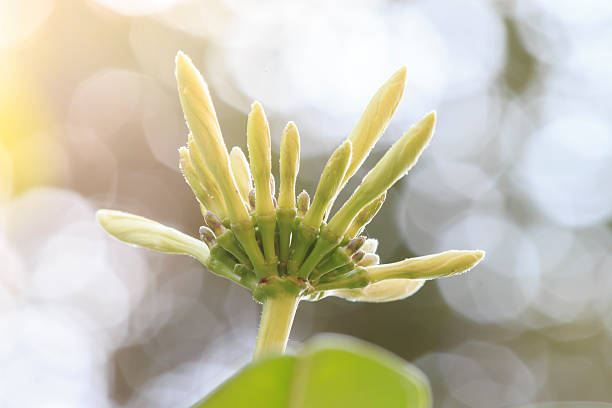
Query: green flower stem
x=275, y=324
x=245, y=233
x=285, y=218
x=228, y=241
x=337, y=259
x=336, y=274
x=353, y=280
x=247, y=277
x=223, y=264
x=302, y=239
x=325, y=244
x=267, y=228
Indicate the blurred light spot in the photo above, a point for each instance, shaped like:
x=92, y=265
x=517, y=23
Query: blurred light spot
x=6, y=174
x=502, y=286
x=107, y=100
x=52, y=340
x=137, y=7
x=440, y=192
x=28, y=134
x=164, y=125
x=19, y=19
x=478, y=374
x=326, y=61
x=566, y=169
x=200, y=18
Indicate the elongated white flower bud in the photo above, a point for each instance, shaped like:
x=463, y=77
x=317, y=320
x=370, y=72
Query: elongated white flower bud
x=241, y=171
x=395, y=163
x=427, y=267
x=289, y=166
x=330, y=180
x=202, y=120
x=260, y=156
x=150, y=234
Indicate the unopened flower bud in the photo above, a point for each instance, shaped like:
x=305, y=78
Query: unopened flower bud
x=303, y=203
x=207, y=235
x=289, y=165
x=394, y=164
x=355, y=244
x=357, y=256
x=330, y=180
x=214, y=223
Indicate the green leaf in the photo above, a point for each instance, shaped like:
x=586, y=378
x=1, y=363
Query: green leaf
x=575, y=404
x=329, y=371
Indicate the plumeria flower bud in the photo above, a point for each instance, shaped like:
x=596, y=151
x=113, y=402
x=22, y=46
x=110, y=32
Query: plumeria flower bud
x=289, y=165
x=214, y=223
x=241, y=171
x=427, y=267
x=365, y=216
x=355, y=244
x=394, y=164
x=303, y=203
x=332, y=176
x=206, y=178
x=258, y=138
x=357, y=256
x=207, y=235
x=374, y=120
x=202, y=120
x=192, y=179
x=149, y=234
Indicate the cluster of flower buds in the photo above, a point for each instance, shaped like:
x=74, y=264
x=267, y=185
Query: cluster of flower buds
x=286, y=244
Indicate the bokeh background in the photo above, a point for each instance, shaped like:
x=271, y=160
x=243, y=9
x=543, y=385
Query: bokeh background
x=520, y=166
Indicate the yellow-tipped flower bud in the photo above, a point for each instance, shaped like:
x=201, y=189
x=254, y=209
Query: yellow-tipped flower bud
x=375, y=119
x=202, y=121
x=149, y=234
x=330, y=180
x=395, y=163
x=241, y=171
x=192, y=179
x=258, y=139
x=427, y=267
x=289, y=165
x=206, y=178
x=365, y=216
x=373, y=122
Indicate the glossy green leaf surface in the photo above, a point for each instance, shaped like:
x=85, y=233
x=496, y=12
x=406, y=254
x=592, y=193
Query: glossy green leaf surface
x=575, y=404
x=329, y=371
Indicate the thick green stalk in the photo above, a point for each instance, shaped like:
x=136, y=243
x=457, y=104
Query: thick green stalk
x=275, y=325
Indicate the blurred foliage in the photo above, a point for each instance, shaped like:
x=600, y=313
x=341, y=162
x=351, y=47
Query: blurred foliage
x=329, y=371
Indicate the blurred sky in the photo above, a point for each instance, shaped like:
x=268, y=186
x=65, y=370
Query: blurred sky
x=520, y=166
